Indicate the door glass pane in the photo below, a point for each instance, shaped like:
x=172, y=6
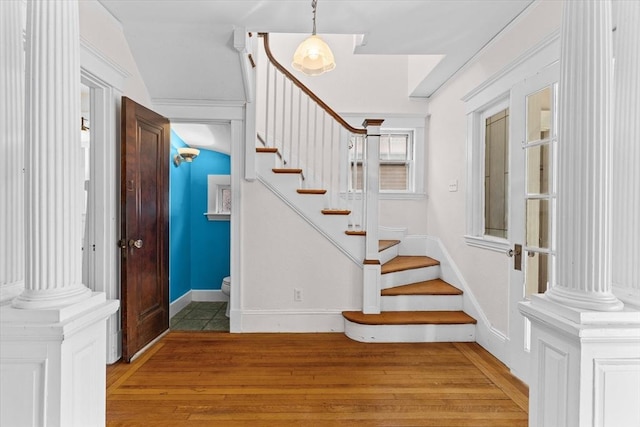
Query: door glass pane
x=538, y=169
x=496, y=179
x=539, y=115
x=537, y=223
x=537, y=273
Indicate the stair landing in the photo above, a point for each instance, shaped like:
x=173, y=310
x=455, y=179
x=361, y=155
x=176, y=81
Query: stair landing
x=402, y=263
x=410, y=318
x=428, y=287
x=386, y=244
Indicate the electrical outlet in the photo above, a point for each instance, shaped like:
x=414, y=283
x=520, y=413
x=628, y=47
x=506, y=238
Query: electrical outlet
x=297, y=294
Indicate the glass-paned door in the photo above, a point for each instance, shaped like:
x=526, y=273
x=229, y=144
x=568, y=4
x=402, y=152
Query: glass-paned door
x=533, y=199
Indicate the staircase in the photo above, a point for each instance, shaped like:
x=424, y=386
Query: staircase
x=320, y=166
x=416, y=305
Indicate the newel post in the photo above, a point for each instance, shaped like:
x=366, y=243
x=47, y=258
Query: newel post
x=371, y=269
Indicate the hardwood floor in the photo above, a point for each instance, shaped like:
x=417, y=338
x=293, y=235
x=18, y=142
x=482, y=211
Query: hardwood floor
x=221, y=379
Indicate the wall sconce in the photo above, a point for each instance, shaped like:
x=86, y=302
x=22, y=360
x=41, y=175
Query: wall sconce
x=185, y=154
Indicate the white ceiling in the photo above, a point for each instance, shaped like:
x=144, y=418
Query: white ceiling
x=184, y=49
x=215, y=137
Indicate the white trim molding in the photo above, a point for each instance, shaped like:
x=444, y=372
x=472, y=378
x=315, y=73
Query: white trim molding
x=490, y=96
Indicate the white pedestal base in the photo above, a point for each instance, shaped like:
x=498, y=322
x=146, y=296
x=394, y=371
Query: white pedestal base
x=52, y=364
x=585, y=366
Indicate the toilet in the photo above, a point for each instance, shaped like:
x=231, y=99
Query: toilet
x=226, y=289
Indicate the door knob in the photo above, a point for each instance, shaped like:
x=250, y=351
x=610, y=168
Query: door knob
x=135, y=243
x=512, y=252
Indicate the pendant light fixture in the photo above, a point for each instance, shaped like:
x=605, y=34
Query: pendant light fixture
x=313, y=56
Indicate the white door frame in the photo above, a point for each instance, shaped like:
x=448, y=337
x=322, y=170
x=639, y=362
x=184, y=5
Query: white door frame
x=105, y=80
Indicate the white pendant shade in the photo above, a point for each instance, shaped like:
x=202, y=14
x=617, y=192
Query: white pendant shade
x=313, y=56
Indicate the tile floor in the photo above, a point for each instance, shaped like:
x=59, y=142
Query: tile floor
x=201, y=316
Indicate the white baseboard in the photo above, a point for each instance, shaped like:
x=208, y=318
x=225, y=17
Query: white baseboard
x=491, y=339
x=199, y=295
x=291, y=321
x=114, y=338
x=208, y=295
x=179, y=304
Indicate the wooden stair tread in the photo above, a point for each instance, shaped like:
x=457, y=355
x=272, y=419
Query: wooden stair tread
x=286, y=170
x=311, y=191
x=266, y=150
x=386, y=244
x=336, y=211
x=355, y=233
x=401, y=263
x=410, y=318
x=429, y=287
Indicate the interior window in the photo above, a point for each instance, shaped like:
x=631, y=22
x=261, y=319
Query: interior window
x=496, y=174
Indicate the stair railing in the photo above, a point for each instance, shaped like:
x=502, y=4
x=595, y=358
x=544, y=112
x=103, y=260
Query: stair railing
x=333, y=155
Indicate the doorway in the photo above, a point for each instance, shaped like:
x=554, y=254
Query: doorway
x=200, y=236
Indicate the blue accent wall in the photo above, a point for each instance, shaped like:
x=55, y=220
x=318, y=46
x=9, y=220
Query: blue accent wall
x=179, y=224
x=199, y=249
x=210, y=240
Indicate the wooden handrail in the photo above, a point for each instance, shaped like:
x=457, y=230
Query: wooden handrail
x=309, y=92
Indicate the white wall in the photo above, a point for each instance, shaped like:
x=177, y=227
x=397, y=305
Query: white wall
x=280, y=252
x=486, y=272
x=103, y=32
x=359, y=83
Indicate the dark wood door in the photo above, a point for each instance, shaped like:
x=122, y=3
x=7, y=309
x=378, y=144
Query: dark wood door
x=144, y=194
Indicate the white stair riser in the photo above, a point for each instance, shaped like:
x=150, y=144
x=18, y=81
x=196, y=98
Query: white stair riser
x=405, y=277
x=388, y=254
x=286, y=181
x=421, y=302
x=409, y=333
x=265, y=161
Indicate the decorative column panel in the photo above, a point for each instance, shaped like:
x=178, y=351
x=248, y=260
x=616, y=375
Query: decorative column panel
x=583, y=276
x=53, y=275
x=626, y=154
x=11, y=151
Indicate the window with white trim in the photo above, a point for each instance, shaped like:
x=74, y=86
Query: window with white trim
x=396, y=161
x=488, y=175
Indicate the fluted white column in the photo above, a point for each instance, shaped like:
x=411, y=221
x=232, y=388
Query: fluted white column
x=626, y=154
x=53, y=177
x=11, y=151
x=583, y=276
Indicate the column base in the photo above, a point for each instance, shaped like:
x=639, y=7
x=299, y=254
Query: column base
x=52, y=364
x=585, y=300
x=51, y=299
x=585, y=365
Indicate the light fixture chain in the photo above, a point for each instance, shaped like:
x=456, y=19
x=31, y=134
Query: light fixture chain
x=314, y=5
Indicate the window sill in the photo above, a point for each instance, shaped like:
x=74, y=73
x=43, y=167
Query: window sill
x=401, y=196
x=213, y=216
x=391, y=196
x=492, y=244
